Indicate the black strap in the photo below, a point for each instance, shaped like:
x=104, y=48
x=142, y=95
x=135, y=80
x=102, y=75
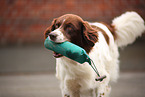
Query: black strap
x=94, y=67
x=100, y=78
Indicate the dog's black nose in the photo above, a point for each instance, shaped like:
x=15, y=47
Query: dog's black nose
x=52, y=36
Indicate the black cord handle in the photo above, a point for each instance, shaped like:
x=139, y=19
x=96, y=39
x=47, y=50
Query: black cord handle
x=100, y=78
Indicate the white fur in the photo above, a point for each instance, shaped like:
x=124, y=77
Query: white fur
x=111, y=52
x=59, y=36
x=128, y=27
x=106, y=59
x=81, y=77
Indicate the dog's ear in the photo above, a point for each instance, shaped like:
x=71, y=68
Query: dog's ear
x=89, y=34
x=50, y=28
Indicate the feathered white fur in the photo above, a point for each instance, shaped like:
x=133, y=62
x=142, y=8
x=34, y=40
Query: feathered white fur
x=80, y=78
x=105, y=58
x=128, y=27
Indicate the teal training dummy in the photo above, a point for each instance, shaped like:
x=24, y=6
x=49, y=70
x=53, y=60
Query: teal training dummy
x=73, y=52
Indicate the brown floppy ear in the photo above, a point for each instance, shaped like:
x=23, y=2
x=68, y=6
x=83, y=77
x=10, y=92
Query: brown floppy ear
x=89, y=34
x=50, y=28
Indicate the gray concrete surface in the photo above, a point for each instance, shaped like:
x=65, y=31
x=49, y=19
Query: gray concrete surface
x=38, y=59
x=26, y=59
x=46, y=85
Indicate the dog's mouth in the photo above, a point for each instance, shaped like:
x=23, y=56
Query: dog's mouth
x=57, y=55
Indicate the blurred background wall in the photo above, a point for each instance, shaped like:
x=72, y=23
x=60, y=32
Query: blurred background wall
x=22, y=23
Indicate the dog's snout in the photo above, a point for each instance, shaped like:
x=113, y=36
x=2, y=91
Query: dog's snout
x=57, y=36
x=52, y=36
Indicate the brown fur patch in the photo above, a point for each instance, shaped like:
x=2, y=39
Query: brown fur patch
x=103, y=32
x=111, y=28
x=76, y=31
x=90, y=36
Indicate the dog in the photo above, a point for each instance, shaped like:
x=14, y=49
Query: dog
x=101, y=42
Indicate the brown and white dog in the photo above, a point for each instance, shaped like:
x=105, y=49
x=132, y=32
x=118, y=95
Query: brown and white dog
x=101, y=42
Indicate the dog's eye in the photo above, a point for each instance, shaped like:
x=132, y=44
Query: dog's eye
x=57, y=26
x=69, y=28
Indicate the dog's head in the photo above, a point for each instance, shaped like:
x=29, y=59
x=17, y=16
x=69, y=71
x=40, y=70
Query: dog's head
x=72, y=28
